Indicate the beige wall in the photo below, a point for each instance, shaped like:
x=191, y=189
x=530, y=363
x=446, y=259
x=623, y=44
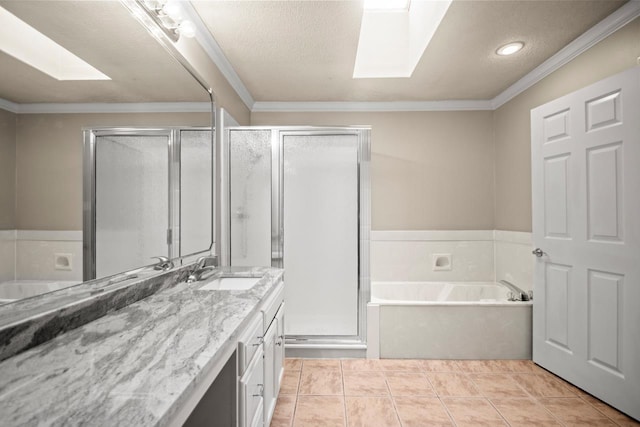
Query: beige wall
x=430, y=170
x=512, y=121
x=49, y=151
x=226, y=96
x=7, y=169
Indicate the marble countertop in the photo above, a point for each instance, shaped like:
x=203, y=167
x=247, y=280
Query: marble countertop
x=133, y=367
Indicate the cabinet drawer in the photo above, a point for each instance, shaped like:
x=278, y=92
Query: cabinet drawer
x=271, y=305
x=251, y=392
x=249, y=343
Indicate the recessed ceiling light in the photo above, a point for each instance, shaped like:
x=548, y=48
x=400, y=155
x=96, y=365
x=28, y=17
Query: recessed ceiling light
x=509, y=49
x=26, y=44
x=386, y=4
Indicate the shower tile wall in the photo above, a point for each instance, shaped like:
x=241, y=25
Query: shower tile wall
x=476, y=256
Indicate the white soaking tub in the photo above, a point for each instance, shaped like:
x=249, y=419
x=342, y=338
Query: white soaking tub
x=17, y=289
x=447, y=320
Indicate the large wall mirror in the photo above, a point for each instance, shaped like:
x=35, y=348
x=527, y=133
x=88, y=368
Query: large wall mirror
x=151, y=121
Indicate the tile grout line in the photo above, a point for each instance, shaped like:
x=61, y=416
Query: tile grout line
x=575, y=392
x=453, y=421
x=393, y=400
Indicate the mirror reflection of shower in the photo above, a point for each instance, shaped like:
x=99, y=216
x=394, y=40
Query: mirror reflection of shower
x=250, y=204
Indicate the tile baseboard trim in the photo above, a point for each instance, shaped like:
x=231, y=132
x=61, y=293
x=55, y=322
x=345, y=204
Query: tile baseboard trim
x=7, y=235
x=518, y=237
x=50, y=235
x=432, y=235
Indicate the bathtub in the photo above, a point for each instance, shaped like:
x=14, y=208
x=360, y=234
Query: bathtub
x=17, y=289
x=447, y=320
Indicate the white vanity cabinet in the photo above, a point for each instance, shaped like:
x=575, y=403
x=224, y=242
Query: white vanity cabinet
x=251, y=374
x=251, y=392
x=273, y=315
x=260, y=362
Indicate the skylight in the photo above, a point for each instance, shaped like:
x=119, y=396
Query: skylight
x=392, y=40
x=386, y=4
x=28, y=45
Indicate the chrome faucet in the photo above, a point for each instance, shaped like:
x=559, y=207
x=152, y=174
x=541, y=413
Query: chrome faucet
x=163, y=264
x=516, y=294
x=201, y=274
x=203, y=266
x=206, y=261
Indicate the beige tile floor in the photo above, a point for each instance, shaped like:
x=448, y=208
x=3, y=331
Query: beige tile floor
x=370, y=393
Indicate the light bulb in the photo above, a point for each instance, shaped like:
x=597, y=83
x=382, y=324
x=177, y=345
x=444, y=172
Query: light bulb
x=510, y=49
x=187, y=29
x=173, y=10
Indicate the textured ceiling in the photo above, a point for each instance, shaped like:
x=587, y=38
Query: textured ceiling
x=305, y=50
x=104, y=34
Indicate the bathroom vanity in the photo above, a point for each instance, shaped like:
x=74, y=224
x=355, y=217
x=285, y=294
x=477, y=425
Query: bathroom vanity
x=203, y=353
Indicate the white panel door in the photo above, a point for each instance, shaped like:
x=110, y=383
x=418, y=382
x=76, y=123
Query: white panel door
x=320, y=199
x=586, y=221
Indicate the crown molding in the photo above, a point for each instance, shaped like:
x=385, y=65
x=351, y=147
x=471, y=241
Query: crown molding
x=72, y=108
x=453, y=105
x=603, y=29
x=212, y=48
x=609, y=25
x=12, y=107
x=612, y=23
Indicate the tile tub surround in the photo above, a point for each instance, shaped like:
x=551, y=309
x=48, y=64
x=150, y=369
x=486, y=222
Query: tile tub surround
x=422, y=393
x=477, y=256
x=513, y=259
x=29, y=254
x=7, y=255
x=408, y=255
x=134, y=367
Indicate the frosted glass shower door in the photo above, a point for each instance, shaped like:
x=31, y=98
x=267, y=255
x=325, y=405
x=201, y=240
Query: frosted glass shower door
x=250, y=197
x=196, y=191
x=132, y=201
x=320, y=209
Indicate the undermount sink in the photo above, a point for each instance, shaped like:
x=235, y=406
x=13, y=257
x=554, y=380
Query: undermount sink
x=230, y=284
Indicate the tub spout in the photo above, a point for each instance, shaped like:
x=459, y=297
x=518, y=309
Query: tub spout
x=516, y=294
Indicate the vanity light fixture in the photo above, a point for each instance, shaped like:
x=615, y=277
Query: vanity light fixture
x=168, y=14
x=510, y=48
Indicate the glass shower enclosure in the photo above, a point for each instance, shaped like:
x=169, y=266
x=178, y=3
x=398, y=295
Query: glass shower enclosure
x=299, y=198
x=148, y=192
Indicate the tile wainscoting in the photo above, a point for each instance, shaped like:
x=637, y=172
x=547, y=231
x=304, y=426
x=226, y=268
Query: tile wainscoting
x=475, y=256
x=30, y=254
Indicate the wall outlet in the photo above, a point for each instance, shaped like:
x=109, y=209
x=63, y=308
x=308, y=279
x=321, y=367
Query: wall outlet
x=63, y=262
x=441, y=262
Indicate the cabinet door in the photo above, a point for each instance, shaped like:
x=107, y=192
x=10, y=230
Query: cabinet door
x=251, y=391
x=279, y=356
x=270, y=386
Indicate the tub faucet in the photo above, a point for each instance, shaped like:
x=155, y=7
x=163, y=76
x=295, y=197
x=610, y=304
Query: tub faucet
x=163, y=264
x=515, y=293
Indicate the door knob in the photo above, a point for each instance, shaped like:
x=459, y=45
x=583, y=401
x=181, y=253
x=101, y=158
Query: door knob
x=537, y=252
